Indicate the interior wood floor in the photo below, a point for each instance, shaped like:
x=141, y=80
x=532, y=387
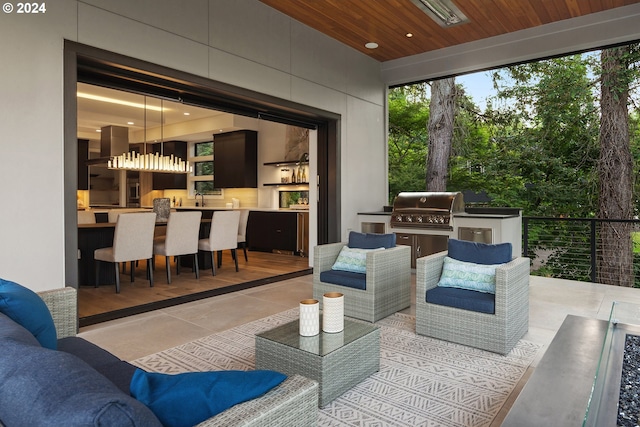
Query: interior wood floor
x=101, y=304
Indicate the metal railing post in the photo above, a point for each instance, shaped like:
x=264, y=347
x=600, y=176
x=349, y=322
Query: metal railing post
x=593, y=250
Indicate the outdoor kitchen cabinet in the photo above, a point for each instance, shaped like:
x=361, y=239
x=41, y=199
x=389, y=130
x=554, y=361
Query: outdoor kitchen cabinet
x=235, y=159
x=422, y=244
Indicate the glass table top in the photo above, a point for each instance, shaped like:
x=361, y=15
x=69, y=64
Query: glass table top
x=321, y=344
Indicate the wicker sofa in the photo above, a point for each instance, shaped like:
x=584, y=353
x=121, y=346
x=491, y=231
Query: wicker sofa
x=497, y=332
x=292, y=403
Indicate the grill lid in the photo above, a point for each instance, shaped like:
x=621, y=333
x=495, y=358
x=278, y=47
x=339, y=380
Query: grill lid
x=445, y=202
x=426, y=210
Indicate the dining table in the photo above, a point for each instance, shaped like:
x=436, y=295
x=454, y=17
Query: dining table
x=100, y=235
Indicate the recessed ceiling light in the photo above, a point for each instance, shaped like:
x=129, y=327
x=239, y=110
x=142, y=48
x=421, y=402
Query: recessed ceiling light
x=409, y=35
x=371, y=45
x=129, y=123
x=98, y=130
x=187, y=114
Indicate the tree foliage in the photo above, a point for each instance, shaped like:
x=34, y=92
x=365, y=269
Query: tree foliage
x=536, y=145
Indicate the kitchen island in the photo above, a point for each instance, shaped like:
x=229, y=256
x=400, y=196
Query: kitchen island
x=271, y=230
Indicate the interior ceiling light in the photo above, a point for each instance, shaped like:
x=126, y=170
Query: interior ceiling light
x=409, y=35
x=444, y=12
x=118, y=101
x=371, y=45
x=148, y=162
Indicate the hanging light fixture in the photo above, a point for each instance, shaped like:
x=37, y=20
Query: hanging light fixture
x=149, y=162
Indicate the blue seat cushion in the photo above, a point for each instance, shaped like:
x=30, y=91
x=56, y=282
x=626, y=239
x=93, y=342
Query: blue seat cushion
x=462, y=298
x=12, y=331
x=345, y=278
x=371, y=240
x=115, y=370
x=26, y=308
x=480, y=253
x=184, y=400
x=43, y=387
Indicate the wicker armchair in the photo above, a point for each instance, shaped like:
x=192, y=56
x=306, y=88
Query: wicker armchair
x=292, y=403
x=388, y=282
x=497, y=332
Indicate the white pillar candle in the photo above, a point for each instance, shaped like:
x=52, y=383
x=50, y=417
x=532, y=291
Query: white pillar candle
x=309, y=317
x=332, y=312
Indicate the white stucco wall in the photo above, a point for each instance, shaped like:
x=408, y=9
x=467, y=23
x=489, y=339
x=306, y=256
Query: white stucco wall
x=241, y=42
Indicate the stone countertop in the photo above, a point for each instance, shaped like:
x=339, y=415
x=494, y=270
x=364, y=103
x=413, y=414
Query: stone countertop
x=224, y=208
x=484, y=215
x=376, y=213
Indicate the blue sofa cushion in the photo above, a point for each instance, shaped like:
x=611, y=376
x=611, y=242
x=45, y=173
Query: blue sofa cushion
x=27, y=309
x=371, y=240
x=190, y=398
x=480, y=253
x=352, y=259
x=115, y=370
x=10, y=330
x=344, y=278
x=43, y=387
x=462, y=298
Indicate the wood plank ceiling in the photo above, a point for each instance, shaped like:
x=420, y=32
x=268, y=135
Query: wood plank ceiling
x=387, y=22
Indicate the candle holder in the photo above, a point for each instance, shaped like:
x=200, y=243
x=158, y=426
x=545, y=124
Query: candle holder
x=309, y=317
x=333, y=312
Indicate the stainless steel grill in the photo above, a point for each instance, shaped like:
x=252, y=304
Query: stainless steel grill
x=426, y=209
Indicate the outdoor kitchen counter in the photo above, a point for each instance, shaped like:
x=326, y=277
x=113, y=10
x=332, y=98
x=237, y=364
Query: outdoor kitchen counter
x=485, y=215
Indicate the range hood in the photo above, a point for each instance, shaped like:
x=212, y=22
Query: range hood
x=114, y=140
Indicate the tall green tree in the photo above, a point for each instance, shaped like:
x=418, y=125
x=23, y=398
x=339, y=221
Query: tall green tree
x=408, y=114
x=442, y=110
x=615, y=168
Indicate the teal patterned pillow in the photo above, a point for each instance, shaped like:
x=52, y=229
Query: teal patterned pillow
x=467, y=275
x=353, y=259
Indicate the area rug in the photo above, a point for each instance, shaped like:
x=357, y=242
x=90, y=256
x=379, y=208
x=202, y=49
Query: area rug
x=422, y=381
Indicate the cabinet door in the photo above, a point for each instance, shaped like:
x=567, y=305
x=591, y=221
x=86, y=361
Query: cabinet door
x=235, y=159
x=164, y=181
x=83, y=169
x=268, y=231
x=407, y=239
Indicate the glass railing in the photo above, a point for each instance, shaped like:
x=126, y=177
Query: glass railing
x=608, y=368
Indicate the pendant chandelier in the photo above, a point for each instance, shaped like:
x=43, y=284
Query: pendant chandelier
x=150, y=162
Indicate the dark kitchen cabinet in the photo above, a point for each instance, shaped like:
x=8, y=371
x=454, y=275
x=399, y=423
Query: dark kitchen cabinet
x=165, y=181
x=83, y=169
x=235, y=159
x=272, y=231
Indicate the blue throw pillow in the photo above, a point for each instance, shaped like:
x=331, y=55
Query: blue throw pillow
x=479, y=253
x=371, y=240
x=190, y=398
x=26, y=308
x=468, y=275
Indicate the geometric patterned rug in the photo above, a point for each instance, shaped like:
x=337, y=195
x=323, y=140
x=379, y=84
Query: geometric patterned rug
x=422, y=381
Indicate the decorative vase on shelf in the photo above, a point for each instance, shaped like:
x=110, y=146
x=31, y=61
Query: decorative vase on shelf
x=333, y=312
x=309, y=317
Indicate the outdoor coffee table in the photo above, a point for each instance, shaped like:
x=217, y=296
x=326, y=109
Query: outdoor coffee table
x=337, y=361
